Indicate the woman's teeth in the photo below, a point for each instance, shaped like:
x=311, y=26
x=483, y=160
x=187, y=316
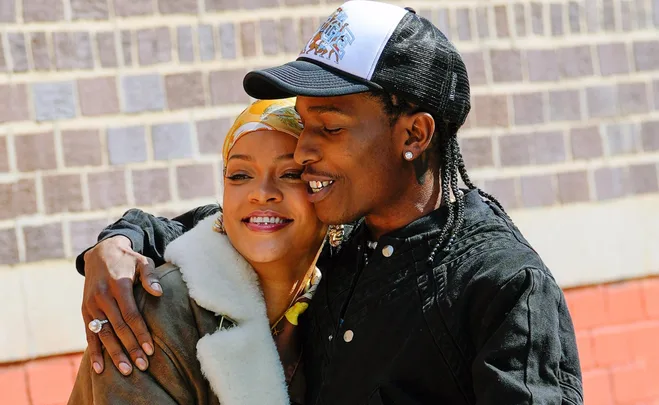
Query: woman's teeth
x=316, y=186
x=266, y=220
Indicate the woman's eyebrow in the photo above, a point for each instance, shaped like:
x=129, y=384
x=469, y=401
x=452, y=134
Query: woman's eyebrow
x=241, y=157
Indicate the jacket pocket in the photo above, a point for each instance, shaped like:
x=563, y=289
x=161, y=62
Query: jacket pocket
x=378, y=398
x=571, y=388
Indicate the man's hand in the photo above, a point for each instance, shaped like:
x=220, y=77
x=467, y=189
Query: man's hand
x=111, y=268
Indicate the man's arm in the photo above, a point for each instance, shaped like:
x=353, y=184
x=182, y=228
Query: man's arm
x=527, y=352
x=110, y=273
x=148, y=234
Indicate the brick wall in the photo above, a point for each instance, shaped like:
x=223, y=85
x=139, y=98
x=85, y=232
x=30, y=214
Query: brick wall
x=110, y=104
x=617, y=334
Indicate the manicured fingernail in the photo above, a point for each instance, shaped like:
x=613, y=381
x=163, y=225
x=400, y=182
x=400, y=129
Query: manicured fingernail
x=97, y=368
x=124, y=368
x=141, y=364
x=148, y=349
x=156, y=286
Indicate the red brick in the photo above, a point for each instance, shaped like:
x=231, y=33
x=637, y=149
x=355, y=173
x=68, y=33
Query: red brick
x=50, y=381
x=585, y=347
x=612, y=347
x=652, y=370
x=650, y=288
x=632, y=383
x=625, y=303
x=75, y=360
x=643, y=340
x=597, y=387
x=13, y=386
x=587, y=307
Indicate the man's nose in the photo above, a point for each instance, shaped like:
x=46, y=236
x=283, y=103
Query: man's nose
x=307, y=150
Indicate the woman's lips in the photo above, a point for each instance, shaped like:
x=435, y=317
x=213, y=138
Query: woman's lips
x=263, y=222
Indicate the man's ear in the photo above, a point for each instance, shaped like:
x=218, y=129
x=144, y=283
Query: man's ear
x=420, y=128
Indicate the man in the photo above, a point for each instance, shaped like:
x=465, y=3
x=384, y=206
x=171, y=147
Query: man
x=435, y=296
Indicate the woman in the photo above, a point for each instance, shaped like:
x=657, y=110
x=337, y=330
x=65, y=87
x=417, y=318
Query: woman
x=231, y=284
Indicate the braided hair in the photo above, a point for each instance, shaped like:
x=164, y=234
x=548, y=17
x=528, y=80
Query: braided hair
x=451, y=167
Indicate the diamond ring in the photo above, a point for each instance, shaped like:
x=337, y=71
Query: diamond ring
x=96, y=325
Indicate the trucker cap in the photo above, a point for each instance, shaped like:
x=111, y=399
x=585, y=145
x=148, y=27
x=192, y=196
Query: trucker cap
x=368, y=45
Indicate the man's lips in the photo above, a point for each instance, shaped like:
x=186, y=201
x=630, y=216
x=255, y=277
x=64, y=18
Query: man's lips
x=316, y=186
x=319, y=184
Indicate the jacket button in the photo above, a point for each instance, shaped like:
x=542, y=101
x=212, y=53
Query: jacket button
x=347, y=337
x=387, y=251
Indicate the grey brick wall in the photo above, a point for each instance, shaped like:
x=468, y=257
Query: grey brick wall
x=107, y=104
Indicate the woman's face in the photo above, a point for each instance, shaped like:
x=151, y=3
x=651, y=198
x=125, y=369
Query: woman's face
x=267, y=215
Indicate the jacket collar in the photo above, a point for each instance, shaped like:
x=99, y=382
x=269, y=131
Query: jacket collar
x=241, y=364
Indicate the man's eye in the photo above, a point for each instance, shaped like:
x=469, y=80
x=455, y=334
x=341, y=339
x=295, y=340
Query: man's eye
x=238, y=177
x=292, y=175
x=332, y=130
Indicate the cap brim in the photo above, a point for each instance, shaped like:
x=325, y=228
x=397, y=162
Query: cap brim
x=302, y=78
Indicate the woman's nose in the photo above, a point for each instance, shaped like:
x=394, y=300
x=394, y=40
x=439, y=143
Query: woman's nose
x=266, y=191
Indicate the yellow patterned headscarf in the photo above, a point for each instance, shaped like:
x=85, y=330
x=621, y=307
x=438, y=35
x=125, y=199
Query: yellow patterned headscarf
x=264, y=115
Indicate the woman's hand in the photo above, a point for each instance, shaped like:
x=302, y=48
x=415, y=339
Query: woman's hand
x=111, y=268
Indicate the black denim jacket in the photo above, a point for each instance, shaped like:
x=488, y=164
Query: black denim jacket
x=485, y=324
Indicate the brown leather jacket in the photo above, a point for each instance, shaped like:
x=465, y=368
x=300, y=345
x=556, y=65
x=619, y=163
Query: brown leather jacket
x=196, y=362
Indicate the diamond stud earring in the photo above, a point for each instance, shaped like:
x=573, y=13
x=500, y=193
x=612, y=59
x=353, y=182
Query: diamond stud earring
x=408, y=155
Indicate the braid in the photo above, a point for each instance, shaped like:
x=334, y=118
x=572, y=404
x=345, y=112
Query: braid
x=449, y=173
x=459, y=195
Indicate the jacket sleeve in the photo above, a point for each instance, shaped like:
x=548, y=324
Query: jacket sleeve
x=174, y=375
x=526, y=346
x=148, y=234
x=140, y=388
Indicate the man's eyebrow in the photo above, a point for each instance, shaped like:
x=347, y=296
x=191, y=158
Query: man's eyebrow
x=326, y=108
x=286, y=156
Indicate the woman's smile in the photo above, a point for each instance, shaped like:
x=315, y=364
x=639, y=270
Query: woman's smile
x=266, y=221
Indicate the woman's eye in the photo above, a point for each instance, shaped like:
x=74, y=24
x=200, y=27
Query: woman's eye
x=238, y=177
x=292, y=175
x=332, y=130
